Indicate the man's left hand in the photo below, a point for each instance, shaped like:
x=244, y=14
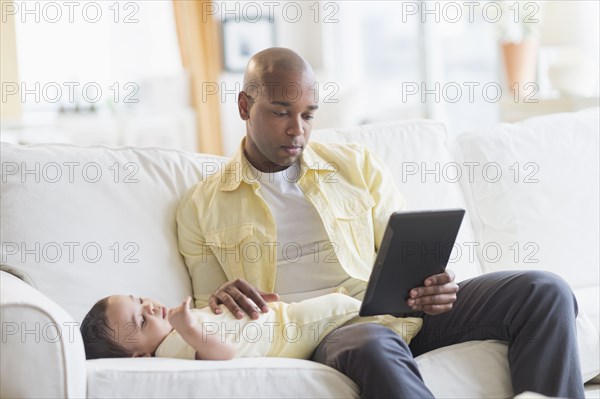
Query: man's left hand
x=436, y=296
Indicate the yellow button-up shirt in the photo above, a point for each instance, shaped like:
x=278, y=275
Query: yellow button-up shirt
x=226, y=230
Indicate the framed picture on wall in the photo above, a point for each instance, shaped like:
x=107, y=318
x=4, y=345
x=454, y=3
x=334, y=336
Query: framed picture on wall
x=242, y=39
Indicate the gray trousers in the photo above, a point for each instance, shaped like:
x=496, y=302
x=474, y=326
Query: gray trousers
x=533, y=311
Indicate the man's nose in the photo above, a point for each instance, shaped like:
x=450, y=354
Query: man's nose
x=295, y=128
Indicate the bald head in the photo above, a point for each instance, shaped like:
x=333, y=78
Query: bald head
x=274, y=65
x=278, y=103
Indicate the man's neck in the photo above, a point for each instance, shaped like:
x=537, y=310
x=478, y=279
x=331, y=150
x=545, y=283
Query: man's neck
x=265, y=167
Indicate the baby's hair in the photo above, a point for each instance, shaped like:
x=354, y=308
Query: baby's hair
x=98, y=338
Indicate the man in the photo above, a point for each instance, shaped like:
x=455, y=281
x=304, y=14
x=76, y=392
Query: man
x=292, y=219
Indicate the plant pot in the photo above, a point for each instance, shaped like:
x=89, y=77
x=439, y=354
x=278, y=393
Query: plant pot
x=520, y=66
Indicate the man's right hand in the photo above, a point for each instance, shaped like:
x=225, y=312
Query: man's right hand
x=239, y=297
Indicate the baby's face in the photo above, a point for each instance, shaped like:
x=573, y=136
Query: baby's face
x=140, y=324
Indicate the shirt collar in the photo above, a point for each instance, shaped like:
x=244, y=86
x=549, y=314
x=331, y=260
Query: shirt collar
x=239, y=169
x=311, y=160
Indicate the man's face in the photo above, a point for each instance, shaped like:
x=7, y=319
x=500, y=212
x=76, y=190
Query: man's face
x=278, y=120
x=139, y=324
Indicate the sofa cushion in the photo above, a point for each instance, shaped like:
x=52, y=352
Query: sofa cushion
x=448, y=372
x=477, y=369
x=239, y=378
x=83, y=223
x=416, y=152
x=541, y=211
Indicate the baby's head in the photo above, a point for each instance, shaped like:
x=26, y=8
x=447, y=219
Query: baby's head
x=124, y=326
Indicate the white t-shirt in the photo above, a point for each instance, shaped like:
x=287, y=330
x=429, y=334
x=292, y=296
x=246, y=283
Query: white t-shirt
x=304, y=250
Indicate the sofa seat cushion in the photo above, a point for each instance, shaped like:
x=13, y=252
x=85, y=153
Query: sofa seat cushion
x=471, y=369
x=239, y=378
x=587, y=331
x=588, y=299
x=480, y=368
x=477, y=369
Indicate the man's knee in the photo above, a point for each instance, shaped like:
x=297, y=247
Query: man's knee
x=548, y=286
x=376, y=343
x=363, y=344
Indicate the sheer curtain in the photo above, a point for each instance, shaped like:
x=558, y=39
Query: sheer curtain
x=10, y=108
x=199, y=43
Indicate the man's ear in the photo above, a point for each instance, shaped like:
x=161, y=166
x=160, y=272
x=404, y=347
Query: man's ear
x=244, y=105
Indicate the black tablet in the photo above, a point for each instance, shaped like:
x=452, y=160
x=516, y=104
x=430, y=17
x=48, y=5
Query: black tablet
x=415, y=246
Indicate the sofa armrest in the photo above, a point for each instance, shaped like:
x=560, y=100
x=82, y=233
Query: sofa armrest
x=41, y=352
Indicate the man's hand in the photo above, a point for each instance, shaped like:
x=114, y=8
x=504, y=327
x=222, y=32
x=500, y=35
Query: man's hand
x=180, y=317
x=239, y=297
x=437, y=296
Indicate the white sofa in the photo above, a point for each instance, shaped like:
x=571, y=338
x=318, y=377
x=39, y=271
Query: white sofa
x=82, y=223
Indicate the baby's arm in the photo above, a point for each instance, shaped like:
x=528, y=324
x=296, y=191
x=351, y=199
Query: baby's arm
x=208, y=347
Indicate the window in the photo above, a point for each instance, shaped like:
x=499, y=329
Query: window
x=92, y=53
x=396, y=55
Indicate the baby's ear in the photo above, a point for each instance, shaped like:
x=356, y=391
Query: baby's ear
x=139, y=354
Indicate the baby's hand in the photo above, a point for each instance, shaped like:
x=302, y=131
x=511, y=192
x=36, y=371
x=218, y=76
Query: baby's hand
x=180, y=317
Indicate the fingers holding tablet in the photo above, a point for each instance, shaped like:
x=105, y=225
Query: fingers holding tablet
x=436, y=296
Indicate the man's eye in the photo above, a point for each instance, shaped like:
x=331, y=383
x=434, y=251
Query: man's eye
x=279, y=113
x=309, y=117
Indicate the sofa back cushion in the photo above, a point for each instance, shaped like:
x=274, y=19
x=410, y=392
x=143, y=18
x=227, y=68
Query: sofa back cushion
x=418, y=156
x=83, y=223
x=534, y=195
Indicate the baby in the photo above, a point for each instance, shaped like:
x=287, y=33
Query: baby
x=126, y=326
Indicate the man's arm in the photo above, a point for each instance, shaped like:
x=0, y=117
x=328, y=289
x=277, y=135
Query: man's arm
x=208, y=347
x=438, y=293
x=209, y=282
x=203, y=266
